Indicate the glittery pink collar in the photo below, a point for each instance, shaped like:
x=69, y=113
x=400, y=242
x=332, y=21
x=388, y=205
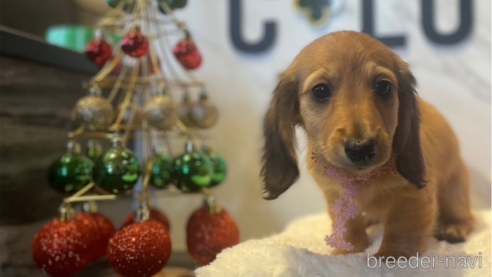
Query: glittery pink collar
x=344, y=207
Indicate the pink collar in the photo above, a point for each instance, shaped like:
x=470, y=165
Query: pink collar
x=344, y=207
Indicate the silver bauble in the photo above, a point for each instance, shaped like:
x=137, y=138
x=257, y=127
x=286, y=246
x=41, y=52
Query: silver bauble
x=93, y=112
x=203, y=113
x=161, y=112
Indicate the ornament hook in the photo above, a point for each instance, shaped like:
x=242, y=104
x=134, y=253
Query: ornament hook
x=66, y=212
x=142, y=213
x=89, y=207
x=73, y=147
x=210, y=202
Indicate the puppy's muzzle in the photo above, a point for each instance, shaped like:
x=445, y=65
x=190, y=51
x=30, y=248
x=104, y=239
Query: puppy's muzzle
x=361, y=151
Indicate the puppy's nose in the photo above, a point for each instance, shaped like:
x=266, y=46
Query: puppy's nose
x=360, y=151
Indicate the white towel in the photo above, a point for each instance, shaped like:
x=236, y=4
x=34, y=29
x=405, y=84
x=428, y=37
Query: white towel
x=300, y=251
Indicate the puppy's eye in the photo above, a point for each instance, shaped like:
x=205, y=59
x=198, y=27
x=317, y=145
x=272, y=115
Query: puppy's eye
x=383, y=89
x=321, y=92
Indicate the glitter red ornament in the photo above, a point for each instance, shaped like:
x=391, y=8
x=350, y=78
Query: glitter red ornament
x=187, y=54
x=99, y=51
x=135, y=44
x=62, y=246
x=210, y=230
x=102, y=229
x=140, y=250
x=154, y=214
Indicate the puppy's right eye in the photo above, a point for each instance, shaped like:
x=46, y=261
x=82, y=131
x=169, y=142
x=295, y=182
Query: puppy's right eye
x=383, y=90
x=321, y=92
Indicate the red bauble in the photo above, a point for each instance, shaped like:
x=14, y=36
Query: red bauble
x=99, y=51
x=134, y=44
x=207, y=234
x=140, y=250
x=62, y=248
x=187, y=54
x=102, y=229
x=154, y=214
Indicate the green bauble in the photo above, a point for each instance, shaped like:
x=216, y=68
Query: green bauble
x=173, y=4
x=128, y=5
x=117, y=170
x=220, y=167
x=193, y=171
x=178, y=4
x=70, y=173
x=162, y=171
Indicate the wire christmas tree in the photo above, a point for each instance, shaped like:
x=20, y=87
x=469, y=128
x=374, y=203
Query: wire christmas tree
x=144, y=77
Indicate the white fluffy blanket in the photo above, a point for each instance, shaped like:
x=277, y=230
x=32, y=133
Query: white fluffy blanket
x=300, y=251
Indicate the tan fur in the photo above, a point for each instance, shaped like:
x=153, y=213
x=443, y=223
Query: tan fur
x=351, y=63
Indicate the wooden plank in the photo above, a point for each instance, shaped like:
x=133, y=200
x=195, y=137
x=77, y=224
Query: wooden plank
x=35, y=105
x=20, y=45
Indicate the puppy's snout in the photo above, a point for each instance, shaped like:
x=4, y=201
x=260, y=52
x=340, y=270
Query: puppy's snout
x=361, y=151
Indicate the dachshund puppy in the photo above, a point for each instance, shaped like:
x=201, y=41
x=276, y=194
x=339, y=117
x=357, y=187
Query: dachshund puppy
x=356, y=101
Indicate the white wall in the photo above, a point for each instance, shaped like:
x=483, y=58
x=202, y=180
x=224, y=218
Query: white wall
x=455, y=79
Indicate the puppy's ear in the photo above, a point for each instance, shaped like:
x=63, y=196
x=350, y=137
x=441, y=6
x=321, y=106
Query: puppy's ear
x=406, y=142
x=280, y=170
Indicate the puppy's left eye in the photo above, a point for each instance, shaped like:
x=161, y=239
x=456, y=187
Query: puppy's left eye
x=321, y=92
x=383, y=89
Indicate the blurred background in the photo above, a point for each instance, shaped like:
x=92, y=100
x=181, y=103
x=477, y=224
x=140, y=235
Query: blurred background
x=245, y=45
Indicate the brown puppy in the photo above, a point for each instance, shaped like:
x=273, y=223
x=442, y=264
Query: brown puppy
x=357, y=103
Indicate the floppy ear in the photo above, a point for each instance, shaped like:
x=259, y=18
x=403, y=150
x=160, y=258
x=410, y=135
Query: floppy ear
x=280, y=170
x=406, y=141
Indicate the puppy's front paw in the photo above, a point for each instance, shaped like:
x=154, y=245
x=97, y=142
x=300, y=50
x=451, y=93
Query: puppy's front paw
x=454, y=232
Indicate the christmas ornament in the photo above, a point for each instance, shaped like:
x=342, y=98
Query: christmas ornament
x=140, y=249
x=193, y=170
x=127, y=5
x=178, y=4
x=94, y=112
x=161, y=112
x=184, y=111
x=187, y=53
x=101, y=227
x=203, y=113
x=99, y=51
x=117, y=170
x=131, y=75
x=162, y=170
x=154, y=214
x=210, y=230
x=62, y=246
x=219, y=164
x=171, y=4
x=94, y=150
x=134, y=44
x=72, y=171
